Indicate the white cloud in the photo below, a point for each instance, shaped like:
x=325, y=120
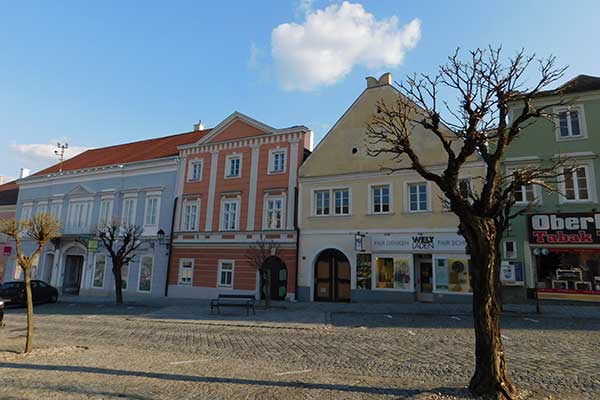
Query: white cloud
x=304, y=8
x=330, y=42
x=41, y=155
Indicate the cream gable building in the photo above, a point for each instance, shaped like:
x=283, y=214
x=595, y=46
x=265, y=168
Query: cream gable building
x=370, y=235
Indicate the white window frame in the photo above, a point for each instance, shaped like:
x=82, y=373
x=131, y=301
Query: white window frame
x=219, y=271
x=140, y=273
x=228, y=159
x=407, y=186
x=179, y=274
x=590, y=178
x=109, y=211
x=226, y=200
x=94, y=270
x=582, y=125
x=41, y=207
x=26, y=211
x=331, y=191
x=81, y=224
x=58, y=204
x=271, y=167
x=371, y=200
x=537, y=192
x=283, y=211
x=127, y=199
x=150, y=197
x=183, y=226
x=191, y=165
x=505, y=249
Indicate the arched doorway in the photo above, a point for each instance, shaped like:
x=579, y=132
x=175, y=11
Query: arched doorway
x=332, y=276
x=279, y=278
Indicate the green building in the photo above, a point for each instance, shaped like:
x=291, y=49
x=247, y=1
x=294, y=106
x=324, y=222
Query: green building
x=554, y=246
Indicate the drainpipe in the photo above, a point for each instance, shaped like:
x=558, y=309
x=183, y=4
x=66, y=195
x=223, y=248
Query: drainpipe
x=170, y=246
x=297, y=242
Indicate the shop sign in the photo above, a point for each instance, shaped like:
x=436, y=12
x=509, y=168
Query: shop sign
x=564, y=228
x=418, y=242
x=7, y=251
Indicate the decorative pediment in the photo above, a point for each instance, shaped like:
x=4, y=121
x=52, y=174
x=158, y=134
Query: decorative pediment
x=236, y=126
x=80, y=191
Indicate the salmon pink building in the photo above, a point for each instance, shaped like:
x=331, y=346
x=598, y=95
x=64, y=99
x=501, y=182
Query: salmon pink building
x=237, y=187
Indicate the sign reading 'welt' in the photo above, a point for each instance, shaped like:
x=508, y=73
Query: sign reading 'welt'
x=416, y=242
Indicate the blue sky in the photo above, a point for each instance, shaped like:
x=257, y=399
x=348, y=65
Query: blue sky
x=113, y=72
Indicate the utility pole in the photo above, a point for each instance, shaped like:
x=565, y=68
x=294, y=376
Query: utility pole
x=61, y=153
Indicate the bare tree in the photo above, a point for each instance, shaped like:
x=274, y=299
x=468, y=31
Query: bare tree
x=258, y=255
x=121, y=242
x=40, y=229
x=477, y=128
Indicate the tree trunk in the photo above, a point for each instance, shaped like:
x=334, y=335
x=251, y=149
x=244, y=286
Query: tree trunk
x=118, y=283
x=490, y=377
x=266, y=287
x=29, y=340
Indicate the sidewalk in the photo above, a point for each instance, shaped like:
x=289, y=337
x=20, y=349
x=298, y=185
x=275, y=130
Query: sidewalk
x=305, y=315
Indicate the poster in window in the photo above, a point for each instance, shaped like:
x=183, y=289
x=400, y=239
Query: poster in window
x=441, y=274
x=401, y=273
x=458, y=275
x=385, y=272
x=363, y=271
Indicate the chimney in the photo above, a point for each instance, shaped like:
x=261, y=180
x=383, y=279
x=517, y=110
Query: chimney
x=385, y=79
x=24, y=173
x=199, y=126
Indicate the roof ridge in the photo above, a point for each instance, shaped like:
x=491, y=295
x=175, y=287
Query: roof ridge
x=146, y=140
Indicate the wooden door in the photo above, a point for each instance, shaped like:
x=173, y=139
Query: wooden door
x=73, y=270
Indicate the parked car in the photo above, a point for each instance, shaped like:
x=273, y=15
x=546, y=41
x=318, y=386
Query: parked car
x=40, y=290
x=1, y=312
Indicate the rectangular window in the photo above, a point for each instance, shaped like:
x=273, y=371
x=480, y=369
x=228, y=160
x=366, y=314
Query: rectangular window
x=190, y=215
x=322, y=202
x=277, y=161
x=393, y=272
x=105, y=215
x=145, y=278
x=452, y=274
x=186, y=271
x=575, y=183
x=79, y=213
x=151, y=215
x=229, y=215
x=226, y=273
x=417, y=197
x=99, y=268
x=124, y=276
x=42, y=209
x=274, y=213
x=233, y=168
x=510, y=249
x=525, y=194
x=55, y=210
x=128, y=214
x=363, y=271
x=380, y=199
x=195, y=171
x=569, y=126
x=341, y=199
x=26, y=212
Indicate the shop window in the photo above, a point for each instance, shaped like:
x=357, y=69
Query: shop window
x=393, y=272
x=363, y=271
x=145, y=274
x=569, y=270
x=99, y=268
x=452, y=274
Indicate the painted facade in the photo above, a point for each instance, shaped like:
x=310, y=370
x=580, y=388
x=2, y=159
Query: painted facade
x=237, y=186
x=555, y=246
x=370, y=235
x=138, y=193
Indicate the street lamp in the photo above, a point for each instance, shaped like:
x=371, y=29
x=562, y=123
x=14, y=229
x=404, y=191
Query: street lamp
x=161, y=238
x=537, y=252
x=359, y=242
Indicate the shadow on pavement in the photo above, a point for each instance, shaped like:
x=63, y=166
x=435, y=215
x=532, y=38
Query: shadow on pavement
x=234, y=381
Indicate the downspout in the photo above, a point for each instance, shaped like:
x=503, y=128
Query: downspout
x=170, y=246
x=297, y=243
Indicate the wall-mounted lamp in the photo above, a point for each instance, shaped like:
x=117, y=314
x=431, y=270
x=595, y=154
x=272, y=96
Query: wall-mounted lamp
x=359, y=242
x=161, y=238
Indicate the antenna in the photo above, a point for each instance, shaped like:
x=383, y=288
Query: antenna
x=61, y=153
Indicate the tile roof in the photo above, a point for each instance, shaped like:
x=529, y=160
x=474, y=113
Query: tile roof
x=143, y=150
x=579, y=84
x=9, y=193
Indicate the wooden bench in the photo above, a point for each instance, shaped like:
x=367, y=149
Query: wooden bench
x=234, y=300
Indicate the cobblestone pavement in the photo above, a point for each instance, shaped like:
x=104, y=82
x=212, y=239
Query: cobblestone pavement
x=351, y=356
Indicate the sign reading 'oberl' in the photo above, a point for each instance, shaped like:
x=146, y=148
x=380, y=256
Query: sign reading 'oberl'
x=417, y=242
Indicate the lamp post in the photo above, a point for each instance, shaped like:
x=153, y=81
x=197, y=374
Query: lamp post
x=537, y=252
x=161, y=238
x=359, y=242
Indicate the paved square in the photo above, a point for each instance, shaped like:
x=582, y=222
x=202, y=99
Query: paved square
x=380, y=354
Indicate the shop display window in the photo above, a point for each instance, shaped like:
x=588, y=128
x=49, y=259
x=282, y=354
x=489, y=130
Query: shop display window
x=363, y=271
x=393, y=272
x=569, y=270
x=452, y=274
